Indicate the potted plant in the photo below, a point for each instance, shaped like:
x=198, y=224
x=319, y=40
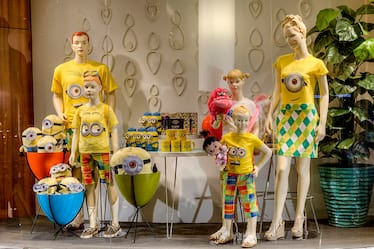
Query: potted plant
x=341, y=39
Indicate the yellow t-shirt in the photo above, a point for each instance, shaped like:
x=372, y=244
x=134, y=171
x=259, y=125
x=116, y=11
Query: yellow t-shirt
x=94, y=123
x=299, y=78
x=68, y=82
x=240, y=151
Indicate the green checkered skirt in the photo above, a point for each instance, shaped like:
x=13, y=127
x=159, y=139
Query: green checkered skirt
x=296, y=130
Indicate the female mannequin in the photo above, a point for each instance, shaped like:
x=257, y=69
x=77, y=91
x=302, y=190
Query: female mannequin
x=298, y=127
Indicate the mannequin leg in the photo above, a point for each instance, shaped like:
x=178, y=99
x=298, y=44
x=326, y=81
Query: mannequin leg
x=78, y=222
x=303, y=182
x=114, y=229
x=250, y=238
x=218, y=233
x=226, y=234
x=276, y=229
x=92, y=212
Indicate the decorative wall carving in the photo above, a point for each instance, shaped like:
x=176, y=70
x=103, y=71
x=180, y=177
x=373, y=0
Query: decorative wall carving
x=278, y=38
x=129, y=40
x=176, y=36
x=255, y=8
x=152, y=9
x=153, y=58
x=130, y=79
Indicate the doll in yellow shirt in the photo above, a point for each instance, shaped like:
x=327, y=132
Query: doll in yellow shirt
x=239, y=176
x=93, y=125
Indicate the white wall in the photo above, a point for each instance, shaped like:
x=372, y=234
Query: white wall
x=259, y=42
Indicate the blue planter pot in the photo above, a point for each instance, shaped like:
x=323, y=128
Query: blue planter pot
x=347, y=192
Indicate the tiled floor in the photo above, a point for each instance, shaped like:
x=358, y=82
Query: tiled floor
x=16, y=234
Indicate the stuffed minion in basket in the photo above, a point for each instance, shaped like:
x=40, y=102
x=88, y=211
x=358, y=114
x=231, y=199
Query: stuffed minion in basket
x=136, y=177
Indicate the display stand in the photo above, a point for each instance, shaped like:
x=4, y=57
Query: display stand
x=138, y=191
x=268, y=195
x=176, y=155
x=40, y=165
x=61, y=209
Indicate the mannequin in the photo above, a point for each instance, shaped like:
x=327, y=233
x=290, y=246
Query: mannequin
x=235, y=80
x=94, y=124
x=296, y=77
x=239, y=176
x=67, y=89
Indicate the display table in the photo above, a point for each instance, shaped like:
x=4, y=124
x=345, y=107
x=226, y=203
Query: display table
x=176, y=155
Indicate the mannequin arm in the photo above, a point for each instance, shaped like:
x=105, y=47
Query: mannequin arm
x=115, y=140
x=275, y=99
x=265, y=156
x=59, y=106
x=323, y=108
x=111, y=100
x=74, y=146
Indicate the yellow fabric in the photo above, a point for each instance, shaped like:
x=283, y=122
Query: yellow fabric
x=310, y=68
x=102, y=114
x=70, y=73
x=246, y=141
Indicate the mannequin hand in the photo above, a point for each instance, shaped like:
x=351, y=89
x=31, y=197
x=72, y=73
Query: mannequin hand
x=255, y=171
x=269, y=125
x=320, y=133
x=72, y=159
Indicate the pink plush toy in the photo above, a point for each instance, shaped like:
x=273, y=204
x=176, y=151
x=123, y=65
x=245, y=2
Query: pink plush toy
x=213, y=147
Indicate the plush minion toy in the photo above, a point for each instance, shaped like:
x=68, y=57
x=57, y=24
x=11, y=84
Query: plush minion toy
x=48, y=144
x=152, y=145
x=59, y=182
x=144, y=120
x=53, y=125
x=47, y=185
x=66, y=183
x=139, y=139
x=130, y=137
x=30, y=138
x=132, y=161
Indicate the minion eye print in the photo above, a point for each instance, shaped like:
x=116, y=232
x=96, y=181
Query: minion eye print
x=294, y=82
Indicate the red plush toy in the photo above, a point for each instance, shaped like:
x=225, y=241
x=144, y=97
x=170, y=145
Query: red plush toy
x=219, y=103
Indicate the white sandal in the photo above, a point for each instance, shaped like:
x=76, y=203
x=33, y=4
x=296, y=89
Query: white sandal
x=249, y=241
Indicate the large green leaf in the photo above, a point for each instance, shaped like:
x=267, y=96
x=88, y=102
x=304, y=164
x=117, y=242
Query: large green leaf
x=367, y=82
x=361, y=114
x=344, y=70
x=345, y=30
x=333, y=56
x=346, y=143
x=336, y=112
x=324, y=18
x=341, y=88
x=322, y=40
x=365, y=51
x=365, y=9
x=347, y=12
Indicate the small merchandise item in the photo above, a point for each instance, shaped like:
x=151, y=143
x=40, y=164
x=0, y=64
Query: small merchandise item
x=59, y=182
x=30, y=138
x=213, y=147
x=53, y=125
x=48, y=144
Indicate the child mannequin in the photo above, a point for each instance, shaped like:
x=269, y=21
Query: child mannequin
x=239, y=176
x=296, y=77
x=92, y=125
